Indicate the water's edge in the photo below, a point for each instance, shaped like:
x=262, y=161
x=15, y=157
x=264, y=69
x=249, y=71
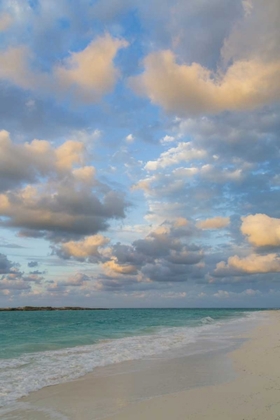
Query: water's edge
x=32, y=371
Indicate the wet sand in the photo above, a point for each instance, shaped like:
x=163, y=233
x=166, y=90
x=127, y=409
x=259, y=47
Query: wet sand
x=241, y=384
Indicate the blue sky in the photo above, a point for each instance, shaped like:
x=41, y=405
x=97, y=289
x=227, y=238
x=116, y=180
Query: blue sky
x=139, y=153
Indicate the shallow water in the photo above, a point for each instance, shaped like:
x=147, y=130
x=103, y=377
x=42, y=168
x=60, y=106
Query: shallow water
x=45, y=348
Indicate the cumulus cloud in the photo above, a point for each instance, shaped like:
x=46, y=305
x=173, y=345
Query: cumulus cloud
x=85, y=75
x=14, y=281
x=6, y=265
x=27, y=162
x=207, y=167
x=252, y=264
x=112, y=267
x=213, y=223
x=61, y=196
x=193, y=89
x=247, y=60
x=164, y=255
x=90, y=73
x=261, y=230
x=14, y=68
x=81, y=250
x=60, y=209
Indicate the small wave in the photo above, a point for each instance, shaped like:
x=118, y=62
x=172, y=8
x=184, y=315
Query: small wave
x=33, y=371
x=207, y=320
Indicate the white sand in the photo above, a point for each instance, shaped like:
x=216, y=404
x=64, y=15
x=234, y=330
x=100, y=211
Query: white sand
x=253, y=393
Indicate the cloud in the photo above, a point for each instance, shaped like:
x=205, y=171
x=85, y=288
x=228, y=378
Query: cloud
x=175, y=24
x=89, y=74
x=252, y=264
x=6, y=266
x=76, y=280
x=261, y=230
x=223, y=294
x=255, y=34
x=185, y=256
x=130, y=138
x=182, y=152
x=221, y=175
x=85, y=75
x=125, y=283
x=58, y=194
x=229, y=67
x=14, y=68
x=37, y=272
x=33, y=264
x=206, y=56
x=27, y=162
x=60, y=209
x=112, y=267
x=214, y=223
x=5, y=21
x=165, y=272
x=164, y=255
x=193, y=89
x=167, y=139
x=14, y=281
x=81, y=250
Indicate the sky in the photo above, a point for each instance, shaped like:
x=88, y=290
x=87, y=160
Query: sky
x=139, y=153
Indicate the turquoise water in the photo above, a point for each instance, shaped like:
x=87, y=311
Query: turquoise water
x=43, y=348
x=25, y=332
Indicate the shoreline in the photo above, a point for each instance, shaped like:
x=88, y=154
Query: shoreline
x=133, y=386
x=252, y=395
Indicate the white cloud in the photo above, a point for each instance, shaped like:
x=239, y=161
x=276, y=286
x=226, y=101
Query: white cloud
x=214, y=223
x=193, y=89
x=89, y=74
x=252, y=264
x=130, y=138
x=167, y=139
x=261, y=230
x=15, y=68
x=85, y=75
x=113, y=268
x=83, y=249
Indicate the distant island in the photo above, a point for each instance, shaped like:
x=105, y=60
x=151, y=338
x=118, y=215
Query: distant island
x=51, y=308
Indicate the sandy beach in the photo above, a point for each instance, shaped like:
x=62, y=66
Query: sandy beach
x=240, y=384
x=253, y=395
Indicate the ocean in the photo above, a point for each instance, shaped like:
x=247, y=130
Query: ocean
x=38, y=349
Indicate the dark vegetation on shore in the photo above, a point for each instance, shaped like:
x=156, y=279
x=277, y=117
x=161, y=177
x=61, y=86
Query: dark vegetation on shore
x=51, y=308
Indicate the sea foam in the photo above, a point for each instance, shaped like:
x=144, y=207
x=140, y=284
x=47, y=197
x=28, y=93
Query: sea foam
x=33, y=371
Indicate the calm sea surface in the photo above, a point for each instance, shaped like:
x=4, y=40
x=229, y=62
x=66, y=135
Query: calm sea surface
x=43, y=348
